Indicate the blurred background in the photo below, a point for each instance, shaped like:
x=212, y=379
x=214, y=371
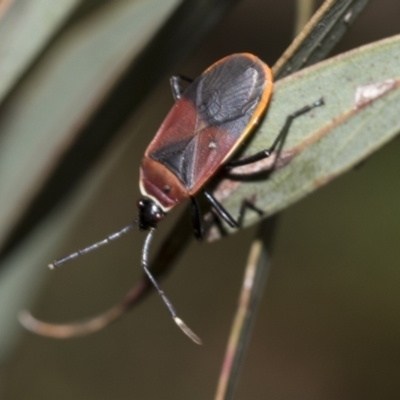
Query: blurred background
x=328, y=326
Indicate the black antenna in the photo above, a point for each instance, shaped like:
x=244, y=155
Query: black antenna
x=95, y=246
x=81, y=328
x=186, y=330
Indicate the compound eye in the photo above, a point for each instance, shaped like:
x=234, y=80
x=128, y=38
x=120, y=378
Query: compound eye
x=157, y=216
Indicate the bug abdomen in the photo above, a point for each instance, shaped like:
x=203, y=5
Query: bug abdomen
x=211, y=119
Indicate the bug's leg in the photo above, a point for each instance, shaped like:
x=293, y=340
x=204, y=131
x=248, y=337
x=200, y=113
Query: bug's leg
x=224, y=214
x=212, y=219
x=217, y=221
x=280, y=139
x=247, y=205
x=196, y=219
x=175, y=82
x=220, y=211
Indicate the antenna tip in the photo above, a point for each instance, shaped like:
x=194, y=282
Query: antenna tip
x=187, y=331
x=51, y=266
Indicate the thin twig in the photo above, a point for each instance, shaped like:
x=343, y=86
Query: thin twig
x=258, y=265
x=304, y=10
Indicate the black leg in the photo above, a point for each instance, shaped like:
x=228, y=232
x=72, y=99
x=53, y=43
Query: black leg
x=175, y=82
x=276, y=145
x=279, y=141
x=220, y=209
x=246, y=205
x=218, y=223
x=196, y=219
x=212, y=219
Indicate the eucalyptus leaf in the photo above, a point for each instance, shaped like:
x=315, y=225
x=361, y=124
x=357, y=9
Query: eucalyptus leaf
x=26, y=27
x=331, y=139
x=25, y=270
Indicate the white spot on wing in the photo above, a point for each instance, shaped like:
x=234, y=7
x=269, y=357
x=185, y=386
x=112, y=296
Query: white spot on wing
x=212, y=144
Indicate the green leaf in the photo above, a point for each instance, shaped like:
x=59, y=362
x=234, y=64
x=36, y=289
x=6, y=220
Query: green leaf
x=26, y=27
x=331, y=139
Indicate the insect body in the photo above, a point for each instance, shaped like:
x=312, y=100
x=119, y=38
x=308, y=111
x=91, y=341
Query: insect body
x=207, y=123
x=204, y=128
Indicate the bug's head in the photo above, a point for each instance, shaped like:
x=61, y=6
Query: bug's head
x=149, y=214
